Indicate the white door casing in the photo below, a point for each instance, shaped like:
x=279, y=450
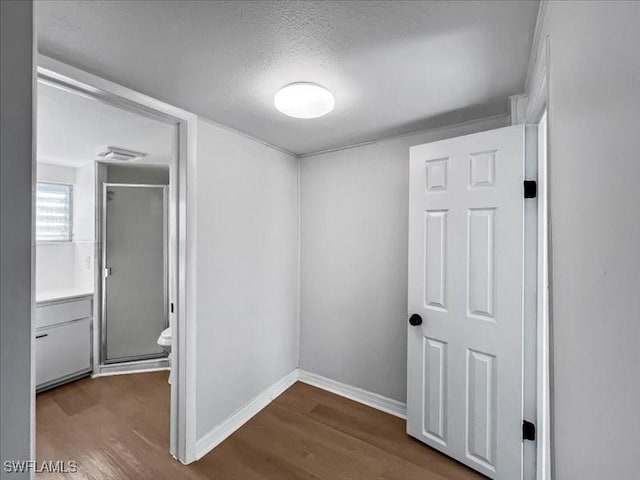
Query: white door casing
x=465, y=361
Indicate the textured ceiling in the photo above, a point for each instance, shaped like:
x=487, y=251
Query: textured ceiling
x=393, y=67
x=72, y=127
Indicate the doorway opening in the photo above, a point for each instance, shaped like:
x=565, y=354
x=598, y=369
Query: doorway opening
x=89, y=324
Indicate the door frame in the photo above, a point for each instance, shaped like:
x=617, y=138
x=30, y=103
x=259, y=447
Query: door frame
x=537, y=107
x=533, y=109
x=103, y=262
x=181, y=239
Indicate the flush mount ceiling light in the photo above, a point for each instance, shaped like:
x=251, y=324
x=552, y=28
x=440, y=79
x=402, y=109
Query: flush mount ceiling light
x=304, y=100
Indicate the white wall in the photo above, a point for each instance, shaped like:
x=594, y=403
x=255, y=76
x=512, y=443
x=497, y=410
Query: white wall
x=69, y=265
x=594, y=121
x=49, y=172
x=246, y=277
x=84, y=191
x=354, y=210
x=55, y=262
x=84, y=226
x=16, y=133
x=55, y=267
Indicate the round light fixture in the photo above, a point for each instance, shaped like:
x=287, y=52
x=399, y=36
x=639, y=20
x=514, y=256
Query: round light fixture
x=304, y=100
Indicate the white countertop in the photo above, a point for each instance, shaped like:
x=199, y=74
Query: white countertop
x=62, y=294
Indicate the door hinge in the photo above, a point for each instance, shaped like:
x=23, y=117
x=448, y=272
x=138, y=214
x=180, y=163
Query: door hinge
x=530, y=189
x=171, y=307
x=107, y=272
x=528, y=430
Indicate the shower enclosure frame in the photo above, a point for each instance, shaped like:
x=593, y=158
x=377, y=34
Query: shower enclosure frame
x=104, y=276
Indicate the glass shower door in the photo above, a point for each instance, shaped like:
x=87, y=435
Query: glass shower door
x=134, y=295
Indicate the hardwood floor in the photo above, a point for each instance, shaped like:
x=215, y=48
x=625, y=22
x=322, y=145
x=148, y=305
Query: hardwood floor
x=118, y=428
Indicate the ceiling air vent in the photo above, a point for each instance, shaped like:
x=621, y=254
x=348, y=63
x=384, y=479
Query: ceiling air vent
x=116, y=154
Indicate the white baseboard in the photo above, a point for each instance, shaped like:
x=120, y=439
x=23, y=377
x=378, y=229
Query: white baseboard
x=220, y=433
x=242, y=416
x=371, y=399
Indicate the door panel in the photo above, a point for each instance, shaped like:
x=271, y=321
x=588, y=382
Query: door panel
x=466, y=281
x=435, y=390
x=435, y=275
x=480, y=263
x=481, y=411
x=135, y=301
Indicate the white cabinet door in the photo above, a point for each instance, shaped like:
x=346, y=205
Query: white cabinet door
x=62, y=351
x=465, y=367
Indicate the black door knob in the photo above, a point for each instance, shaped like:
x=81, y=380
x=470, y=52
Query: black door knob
x=415, y=320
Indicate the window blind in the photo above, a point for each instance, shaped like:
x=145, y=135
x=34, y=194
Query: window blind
x=53, y=212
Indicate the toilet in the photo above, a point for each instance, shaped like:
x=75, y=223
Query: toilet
x=164, y=340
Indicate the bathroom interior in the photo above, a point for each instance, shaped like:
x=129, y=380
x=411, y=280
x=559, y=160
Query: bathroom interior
x=103, y=228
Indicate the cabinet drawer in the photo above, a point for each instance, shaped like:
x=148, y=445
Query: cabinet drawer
x=52, y=314
x=62, y=351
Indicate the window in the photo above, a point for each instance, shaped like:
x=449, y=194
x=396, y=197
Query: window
x=53, y=212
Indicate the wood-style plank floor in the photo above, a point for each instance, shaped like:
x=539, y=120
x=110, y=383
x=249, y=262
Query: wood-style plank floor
x=118, y=428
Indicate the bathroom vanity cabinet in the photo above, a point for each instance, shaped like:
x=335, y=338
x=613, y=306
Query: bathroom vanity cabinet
x=63, y=345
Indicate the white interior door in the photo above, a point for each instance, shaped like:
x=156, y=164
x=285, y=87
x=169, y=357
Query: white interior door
x=465, y=354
